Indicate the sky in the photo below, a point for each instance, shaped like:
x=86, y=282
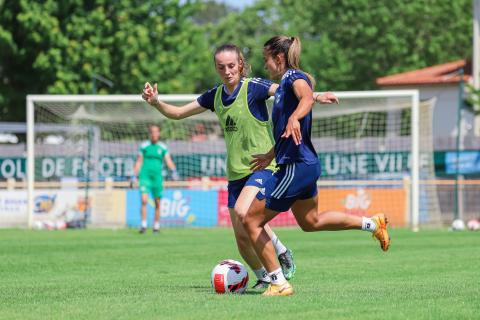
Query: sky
x=238, y=3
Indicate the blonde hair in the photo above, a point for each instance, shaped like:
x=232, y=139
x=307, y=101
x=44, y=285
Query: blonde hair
x=291, y=47
x=246, y=68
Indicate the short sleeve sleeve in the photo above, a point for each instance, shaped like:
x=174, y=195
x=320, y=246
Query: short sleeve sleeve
x=207, y=99
x=259, y=87
x=296, y=75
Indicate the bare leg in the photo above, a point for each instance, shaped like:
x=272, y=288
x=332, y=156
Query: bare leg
x=156, y=219
x=254, y=224
x=144, y=206
x=245, y=202
x=243, y=243
x=309, y=219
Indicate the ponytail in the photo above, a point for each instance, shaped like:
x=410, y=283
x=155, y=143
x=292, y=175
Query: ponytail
x=291, y=47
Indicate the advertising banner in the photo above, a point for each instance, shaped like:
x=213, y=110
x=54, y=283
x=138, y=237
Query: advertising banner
x=468, y=162
x=366, y=202
x=339, y=164
x=196, y=208
x=54, y=208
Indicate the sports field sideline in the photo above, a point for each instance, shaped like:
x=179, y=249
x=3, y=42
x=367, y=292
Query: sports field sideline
x=107, y=274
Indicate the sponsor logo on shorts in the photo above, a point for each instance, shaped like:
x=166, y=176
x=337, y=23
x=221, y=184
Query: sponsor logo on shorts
x=260, y=181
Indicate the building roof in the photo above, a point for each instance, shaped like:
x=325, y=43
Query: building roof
x=438, y=74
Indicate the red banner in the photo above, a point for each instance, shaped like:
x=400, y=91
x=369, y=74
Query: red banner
x=282, y=220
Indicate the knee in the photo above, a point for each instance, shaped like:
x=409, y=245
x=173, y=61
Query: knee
x=249, y=222
x=240, y=213
x=308, y=226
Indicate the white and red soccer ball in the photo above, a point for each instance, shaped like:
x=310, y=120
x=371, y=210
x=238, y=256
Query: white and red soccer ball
x=473, y=225
x=229, y=276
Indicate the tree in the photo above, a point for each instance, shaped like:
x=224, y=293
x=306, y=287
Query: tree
x=56, y=47
x=360, y=40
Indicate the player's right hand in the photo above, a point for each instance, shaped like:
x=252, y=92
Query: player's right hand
x=260, y=161
x=150, y=94
x=133, y=181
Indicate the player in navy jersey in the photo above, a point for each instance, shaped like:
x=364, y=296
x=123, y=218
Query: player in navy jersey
x=294, y=185
x=228, y=101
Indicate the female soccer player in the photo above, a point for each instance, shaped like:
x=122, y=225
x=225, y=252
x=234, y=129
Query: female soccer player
x=149, y=163
x=239, y=103
x=294, y=185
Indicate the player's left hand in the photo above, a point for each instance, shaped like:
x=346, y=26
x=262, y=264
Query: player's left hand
x=293, y=130
x=327, y=98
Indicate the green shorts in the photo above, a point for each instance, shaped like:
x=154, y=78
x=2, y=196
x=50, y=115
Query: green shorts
x=150, y=182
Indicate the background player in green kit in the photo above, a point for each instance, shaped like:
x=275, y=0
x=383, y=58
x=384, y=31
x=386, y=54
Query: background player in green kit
x=148, y=168
x=239, y=103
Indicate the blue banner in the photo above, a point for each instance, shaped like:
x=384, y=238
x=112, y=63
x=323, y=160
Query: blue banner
x=195, y=208
x=468, y=162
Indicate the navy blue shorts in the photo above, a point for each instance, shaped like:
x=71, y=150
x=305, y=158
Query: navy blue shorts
x=293, y=181
x=257, y=179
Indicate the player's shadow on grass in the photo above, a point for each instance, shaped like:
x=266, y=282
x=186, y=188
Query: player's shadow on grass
x=208, y=289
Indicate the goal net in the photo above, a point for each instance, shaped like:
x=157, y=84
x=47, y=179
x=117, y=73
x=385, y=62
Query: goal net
x=375, y=148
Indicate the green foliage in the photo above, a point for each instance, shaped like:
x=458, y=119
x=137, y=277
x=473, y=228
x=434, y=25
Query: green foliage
x=57, y=46
x=473, y=100
x=49, y=46
x=363, y=39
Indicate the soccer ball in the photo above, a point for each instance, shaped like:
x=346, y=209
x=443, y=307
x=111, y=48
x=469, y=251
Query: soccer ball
x=229, y=276
x=458, y=225
x=473, y=225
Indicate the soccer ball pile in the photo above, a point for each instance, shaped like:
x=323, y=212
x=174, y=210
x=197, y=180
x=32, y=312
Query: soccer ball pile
x=229, y=276
x=459, y=225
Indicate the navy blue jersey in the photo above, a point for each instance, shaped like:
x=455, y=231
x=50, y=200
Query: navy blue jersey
x=286, y=102
x=257, y=94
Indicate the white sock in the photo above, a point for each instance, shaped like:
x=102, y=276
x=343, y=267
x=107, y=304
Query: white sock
x=279, y=247
x=262, y=274
x=156, y=225
x=277, y=277
x=144, y=223
x=368, y=224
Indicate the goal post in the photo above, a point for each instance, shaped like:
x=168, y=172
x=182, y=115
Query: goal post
x=373, y=139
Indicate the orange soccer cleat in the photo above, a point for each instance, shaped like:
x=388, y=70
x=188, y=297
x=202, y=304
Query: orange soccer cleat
x=381, y=232
x=285, y=289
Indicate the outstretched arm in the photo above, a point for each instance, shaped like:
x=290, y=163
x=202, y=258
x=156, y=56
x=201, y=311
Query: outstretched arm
x=150, y=95
x=325, y=98
x=322, y=98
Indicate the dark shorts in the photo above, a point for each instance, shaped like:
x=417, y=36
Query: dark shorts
x=257, y=179
x=293, y=181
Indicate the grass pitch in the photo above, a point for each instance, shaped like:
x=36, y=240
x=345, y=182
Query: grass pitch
x=105, y=274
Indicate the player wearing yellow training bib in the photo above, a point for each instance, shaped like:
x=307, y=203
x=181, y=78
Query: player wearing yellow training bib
x=149, y=167
x=240, y=105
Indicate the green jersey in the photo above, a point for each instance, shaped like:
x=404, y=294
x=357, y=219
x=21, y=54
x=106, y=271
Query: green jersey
x=153, y=154
x=245, y=135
